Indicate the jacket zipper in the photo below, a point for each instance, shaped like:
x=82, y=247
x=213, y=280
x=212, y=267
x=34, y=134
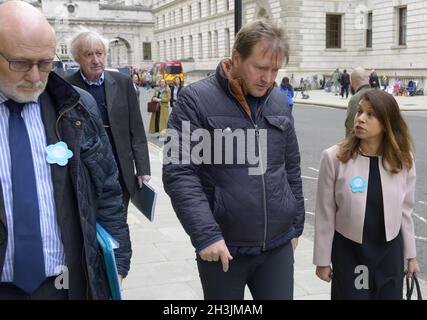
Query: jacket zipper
x=264, y=190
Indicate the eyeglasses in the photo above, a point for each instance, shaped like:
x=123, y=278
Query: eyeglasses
x=26, y=65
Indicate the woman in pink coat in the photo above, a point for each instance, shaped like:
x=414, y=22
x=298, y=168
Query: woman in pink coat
x=365, y=200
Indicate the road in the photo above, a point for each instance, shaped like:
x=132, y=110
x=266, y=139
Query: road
x=319, y=128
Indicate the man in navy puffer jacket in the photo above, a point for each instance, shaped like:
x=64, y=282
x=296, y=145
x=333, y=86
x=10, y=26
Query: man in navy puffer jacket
x=243, y=217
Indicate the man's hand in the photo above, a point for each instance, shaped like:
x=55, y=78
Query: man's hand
x=217, y=250
x=413, y=267
x=324, y=273
x=141, y=180
x=294, y=243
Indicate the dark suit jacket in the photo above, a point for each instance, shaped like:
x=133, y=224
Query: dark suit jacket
x=126, y=125
x=172, y=91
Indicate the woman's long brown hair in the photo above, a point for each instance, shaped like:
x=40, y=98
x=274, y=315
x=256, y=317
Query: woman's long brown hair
x=396, y=147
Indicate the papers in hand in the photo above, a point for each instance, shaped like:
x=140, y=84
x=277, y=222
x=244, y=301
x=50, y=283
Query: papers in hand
x=108, y=244
x=144, y=200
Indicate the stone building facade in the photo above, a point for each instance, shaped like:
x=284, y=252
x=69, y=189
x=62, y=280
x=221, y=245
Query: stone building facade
x=199, y=33
x=127, y=24
x=386, y=35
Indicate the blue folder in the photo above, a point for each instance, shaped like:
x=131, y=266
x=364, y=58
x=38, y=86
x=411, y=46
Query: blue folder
x=108, y=244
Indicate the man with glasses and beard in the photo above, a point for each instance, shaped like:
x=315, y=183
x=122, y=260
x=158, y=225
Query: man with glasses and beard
x=58, y=176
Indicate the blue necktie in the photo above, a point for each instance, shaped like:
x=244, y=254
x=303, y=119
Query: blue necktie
x=29, y=268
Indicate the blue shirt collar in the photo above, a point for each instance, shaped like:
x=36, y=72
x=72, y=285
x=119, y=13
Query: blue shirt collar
x=98, y=82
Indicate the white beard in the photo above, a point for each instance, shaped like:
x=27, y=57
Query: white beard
x=10, y=90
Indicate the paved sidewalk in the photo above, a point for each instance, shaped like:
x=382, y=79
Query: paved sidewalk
x=163, y=262
x=329, y=99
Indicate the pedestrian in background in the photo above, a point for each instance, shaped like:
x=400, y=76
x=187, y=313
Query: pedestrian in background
x=147, y=78
x=159, y=119
x=288, y=90
x=359, y=83
x=345, y=83
x=135, y=80
x=364, y=205
x=244, y=225
x=175, y=90
x=335, y=79
x=118, y=107
x=384, y=82
x=374, y=80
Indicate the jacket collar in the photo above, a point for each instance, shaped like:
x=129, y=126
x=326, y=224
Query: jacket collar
x=367, y=86
x=61, y=92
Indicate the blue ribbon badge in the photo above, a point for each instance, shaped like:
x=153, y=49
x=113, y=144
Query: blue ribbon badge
x=58, y=153
x=358, y=184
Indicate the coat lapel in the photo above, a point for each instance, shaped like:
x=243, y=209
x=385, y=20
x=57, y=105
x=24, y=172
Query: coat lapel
x=110, y=91
x=59, y=173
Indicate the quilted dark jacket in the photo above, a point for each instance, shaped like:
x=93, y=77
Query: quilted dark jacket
x=94, y=177
x=223, y=201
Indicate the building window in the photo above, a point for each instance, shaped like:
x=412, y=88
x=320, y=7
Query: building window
x=227, y=43
x=402, y=26
x=333, y=31
x=215, y=44
x=64, y=49
x=190, y=14
x=209, y=44
x=170, y=54
x=158, y=50
x=181, y=15
x=215, y=7
x=146, y=48
x=209, y=7
x=190, y=42
x=369, y=31
x=164, y=49
x=170, y=22
x=157, y=22
x=182, y=47
x=200, y=9
x=227, y=5
x=164, y=21
x=200, y=46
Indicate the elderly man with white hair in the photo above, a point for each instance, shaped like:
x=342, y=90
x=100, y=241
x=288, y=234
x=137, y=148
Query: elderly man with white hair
x=119, y=109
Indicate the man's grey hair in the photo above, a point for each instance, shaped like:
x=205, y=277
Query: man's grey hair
x=251, y=33
x=91, y=36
